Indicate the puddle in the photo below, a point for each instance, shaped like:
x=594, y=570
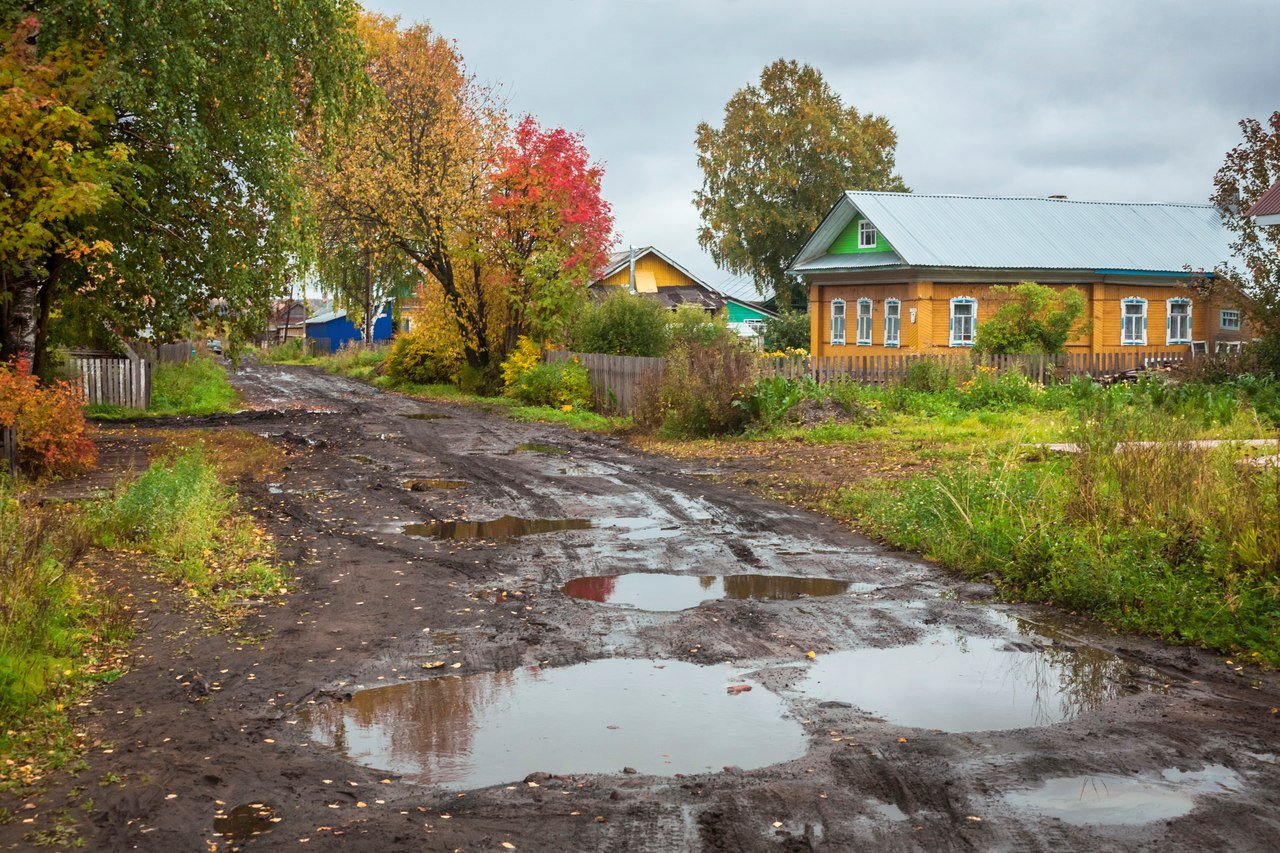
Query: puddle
x=425, y=416
x=664, y=592
x=1109, y=799
x=539, y=447
x=962, y=683
x=504, y=529
x=245, y=822
x=659, y=718
x=427, y=485
x=641, y=529
x=888, y=811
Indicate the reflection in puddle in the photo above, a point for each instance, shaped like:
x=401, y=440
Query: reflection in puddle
x=427, y=484
x=657, y=717
x=539, y=447
x=664, y=592
x=1110, y=799
x=962, y=683
x=245, y=821
x=504, y=529
x=425, y=416
x=640, y=529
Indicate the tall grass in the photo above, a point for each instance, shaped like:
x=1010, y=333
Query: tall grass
x=1165, y=537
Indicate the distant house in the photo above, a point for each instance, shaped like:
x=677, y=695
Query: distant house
x=331, y=331
x=286, y=321
x=893, y=272
x=745, y=304
x=1266, y=211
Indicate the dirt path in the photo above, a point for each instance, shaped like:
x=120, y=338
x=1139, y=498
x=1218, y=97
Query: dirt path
x=1169, y=737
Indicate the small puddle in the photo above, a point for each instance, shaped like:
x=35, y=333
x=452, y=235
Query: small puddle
x=659, y=718
x=244, y=822
x=504, y=529
x=1108, y=799
x=425, y=416
x=428, y=485
x=962, y=683
x=539, y=447
x=665, y=592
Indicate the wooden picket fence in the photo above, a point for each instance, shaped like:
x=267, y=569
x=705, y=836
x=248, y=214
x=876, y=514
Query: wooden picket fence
x=616, y=379
x=110, y=380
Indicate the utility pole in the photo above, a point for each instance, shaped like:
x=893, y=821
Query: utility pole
x=631, y=282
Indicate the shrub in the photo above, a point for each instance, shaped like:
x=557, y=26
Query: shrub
x=690, y=326
x=769, y=402
x=561, y=383
x=53, y=436
x=989, y=390
x=788, y=331
x=525, y=357
x=423, y=358
x=622, y=324
x=697, y=394
x=1032, y=318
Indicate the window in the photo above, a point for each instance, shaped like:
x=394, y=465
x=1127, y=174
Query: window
x=837, y=322
x=892, y=322
x=756, y=326
x=866, y=235
x=1178, y=321
x=1133, y=322
x=1229, y=320
x=964, y=321
x=864, y=322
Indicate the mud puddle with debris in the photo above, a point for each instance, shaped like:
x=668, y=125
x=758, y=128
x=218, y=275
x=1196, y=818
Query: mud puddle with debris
x=370, y=609
x=658, y=591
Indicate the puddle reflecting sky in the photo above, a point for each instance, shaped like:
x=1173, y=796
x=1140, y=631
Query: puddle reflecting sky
x=961, y=683
x=1108, y=799
x=665, y=592
x=504, y=529
x=466, y=732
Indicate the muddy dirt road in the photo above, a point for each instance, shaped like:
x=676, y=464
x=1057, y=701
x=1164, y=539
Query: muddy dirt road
x=570, y=676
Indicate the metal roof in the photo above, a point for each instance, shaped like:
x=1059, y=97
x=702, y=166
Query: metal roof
x=619, y=260
x=1023, y=233
x=1267, y=209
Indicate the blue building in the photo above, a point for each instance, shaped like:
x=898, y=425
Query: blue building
x=331, y=331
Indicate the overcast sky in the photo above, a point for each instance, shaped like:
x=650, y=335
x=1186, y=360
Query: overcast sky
x=1117, y=100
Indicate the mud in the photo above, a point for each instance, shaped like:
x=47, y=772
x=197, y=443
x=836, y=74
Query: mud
x=370, y=606
x=508, y=528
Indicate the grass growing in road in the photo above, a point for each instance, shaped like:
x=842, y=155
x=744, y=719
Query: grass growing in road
x=184, y=516
x=195, y=387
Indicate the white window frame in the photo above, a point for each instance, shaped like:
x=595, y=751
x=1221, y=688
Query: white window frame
x=843, y=318
x=865, y=340
x=1124, y=340
x=973, y=336
x=1234, y=326
x=893, y=334
x=867, y=228
x=1169, y=339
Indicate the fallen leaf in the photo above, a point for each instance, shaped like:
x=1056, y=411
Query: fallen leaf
x=456, y=665
x=973, y=818
x=902, y=740
x=735, y=689
x=811, y=655
x=508, y=845
x=435, y=664
x=777, y=823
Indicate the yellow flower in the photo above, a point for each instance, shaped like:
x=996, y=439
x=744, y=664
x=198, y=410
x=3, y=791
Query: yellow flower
x=567, y=407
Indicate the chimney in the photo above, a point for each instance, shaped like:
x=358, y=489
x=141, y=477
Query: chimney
x=632, y=281
x=1058, y=197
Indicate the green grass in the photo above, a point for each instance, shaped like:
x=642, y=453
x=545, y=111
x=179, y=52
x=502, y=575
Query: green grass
x=195, y=387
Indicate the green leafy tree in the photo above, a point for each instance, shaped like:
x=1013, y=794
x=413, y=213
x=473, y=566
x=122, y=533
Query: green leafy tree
x=622, y=324
x=187, y=136
x=1249, y=170
x=1031, y=318
x=772, y=171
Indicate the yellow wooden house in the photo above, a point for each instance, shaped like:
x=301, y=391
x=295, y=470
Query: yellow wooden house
x=900, y=272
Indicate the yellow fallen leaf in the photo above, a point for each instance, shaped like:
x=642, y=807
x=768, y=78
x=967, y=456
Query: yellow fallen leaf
x=508, y=845
x=361, y=804
x=811, y=655
x=456, y=666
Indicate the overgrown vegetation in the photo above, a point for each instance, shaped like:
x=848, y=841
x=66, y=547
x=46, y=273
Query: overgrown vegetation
x=53, y=437
x=621, y=324
x=1032, y=318
x=198, y=386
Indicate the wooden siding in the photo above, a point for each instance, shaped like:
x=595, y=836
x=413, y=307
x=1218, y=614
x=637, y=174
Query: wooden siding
x=847, y=241
x=931, y=331
x=649, y=268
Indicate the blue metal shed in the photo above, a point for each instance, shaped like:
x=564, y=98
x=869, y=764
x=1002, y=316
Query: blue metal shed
x=335, y=330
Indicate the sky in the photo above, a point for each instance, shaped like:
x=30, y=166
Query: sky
x=1108, y=100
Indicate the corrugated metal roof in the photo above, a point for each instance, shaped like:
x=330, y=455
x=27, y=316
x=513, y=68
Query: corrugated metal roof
x=1027, y=233
x=1269, y=204
x=326, y=317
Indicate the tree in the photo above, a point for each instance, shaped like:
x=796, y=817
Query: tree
x=772, y=171
x=789, y=330
x=188, y=114
x=1249, y=170
x=552, y=232
x=1031, y=318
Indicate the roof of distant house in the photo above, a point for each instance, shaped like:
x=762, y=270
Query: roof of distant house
x=620, y=260
x=1269, y=204
x=1022, y=233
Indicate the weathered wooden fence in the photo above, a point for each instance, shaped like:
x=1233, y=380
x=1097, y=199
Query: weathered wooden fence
x=111, y=380
x=174, y=353
x=615, y=379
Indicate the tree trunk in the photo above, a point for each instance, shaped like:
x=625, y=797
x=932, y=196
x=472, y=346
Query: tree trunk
x=368, y=297
x=21, y=316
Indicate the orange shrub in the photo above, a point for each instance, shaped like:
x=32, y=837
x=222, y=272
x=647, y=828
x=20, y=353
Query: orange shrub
x=53, y=436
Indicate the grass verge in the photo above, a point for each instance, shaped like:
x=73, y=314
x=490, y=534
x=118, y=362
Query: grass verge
x=195, y=387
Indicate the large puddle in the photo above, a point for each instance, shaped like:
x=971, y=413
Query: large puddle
x=654, y=717
x=961, y=683
x=665, y=592
x=1108, y=799
x=504, y=529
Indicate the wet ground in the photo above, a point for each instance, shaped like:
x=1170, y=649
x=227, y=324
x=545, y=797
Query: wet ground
x=462, y=667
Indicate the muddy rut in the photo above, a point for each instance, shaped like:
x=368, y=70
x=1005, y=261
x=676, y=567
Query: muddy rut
x=406, y=668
